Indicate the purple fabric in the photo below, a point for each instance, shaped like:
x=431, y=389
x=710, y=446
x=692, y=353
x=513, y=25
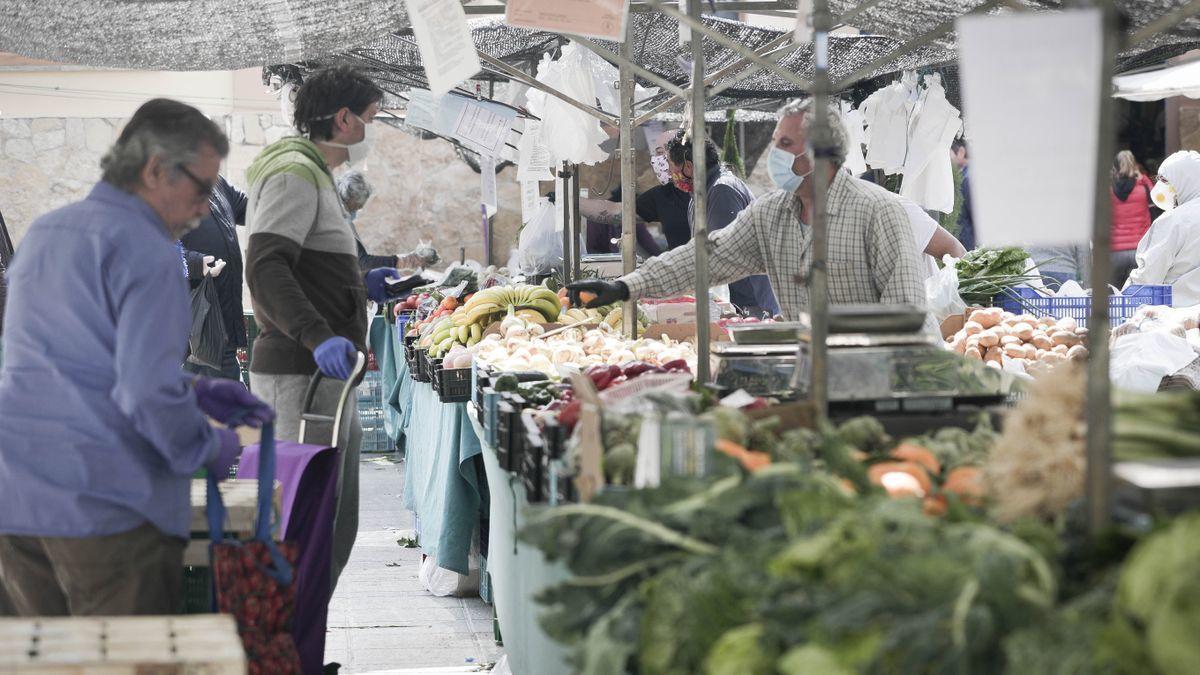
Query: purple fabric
x=308, y=476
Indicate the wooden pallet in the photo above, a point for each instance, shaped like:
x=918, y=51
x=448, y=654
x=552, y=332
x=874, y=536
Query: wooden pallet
x=240, y=496
x=157, y=645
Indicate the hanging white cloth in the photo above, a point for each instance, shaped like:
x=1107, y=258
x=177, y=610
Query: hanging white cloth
x=887, y=114
x=852, y=119
x=928, y=178
x=571, y=134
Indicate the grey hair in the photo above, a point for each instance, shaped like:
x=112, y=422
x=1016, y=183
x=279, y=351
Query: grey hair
x=169, y=130
x=353, y=188
x=839, y=137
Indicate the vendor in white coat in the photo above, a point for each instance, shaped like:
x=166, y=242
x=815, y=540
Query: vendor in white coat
x=1169, y=253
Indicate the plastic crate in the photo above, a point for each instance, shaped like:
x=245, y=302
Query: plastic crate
x=1120, y=307
x=421, y=373
x=454, y=385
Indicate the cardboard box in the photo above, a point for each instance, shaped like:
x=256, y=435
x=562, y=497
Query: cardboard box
x=684, y=331
x=670, y=312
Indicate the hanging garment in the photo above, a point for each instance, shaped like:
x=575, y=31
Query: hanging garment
x=852, y=119
x=928, y=177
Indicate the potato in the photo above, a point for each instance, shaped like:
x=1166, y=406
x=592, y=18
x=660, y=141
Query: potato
x=988, y=317
x=1024, y=331
x=960, y=335
x=989, y=338
x=1041, y=353
x=1001, y=330
x=1009, y=340
x=1031, y=351
x=1077, y=353
x=993, y=364
x=1027, y=318
x=994, y=354
x=1041, y=340
x=1060, y=350
x=973, y=353
x=958, y=346
x=1067, y=323
x=972, y=342
x=1014, y=351
x=1064, y=337
x=1046, y=321
x=972, y=327
x=1053, y=357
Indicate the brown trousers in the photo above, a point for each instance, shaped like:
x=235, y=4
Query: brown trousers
x=135, y=572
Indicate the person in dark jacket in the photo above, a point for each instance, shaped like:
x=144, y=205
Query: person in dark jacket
x=213, y=250
x=966, y=225
x=1130, y=214
x=354, y=191
x=602, y=233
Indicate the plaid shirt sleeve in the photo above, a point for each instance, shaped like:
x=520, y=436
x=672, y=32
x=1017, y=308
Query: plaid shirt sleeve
x=892, y=256
x=733, y=254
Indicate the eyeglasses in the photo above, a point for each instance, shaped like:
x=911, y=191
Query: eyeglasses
x=204, y=189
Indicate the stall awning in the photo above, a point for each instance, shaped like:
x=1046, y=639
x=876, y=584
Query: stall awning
x=1178, y=80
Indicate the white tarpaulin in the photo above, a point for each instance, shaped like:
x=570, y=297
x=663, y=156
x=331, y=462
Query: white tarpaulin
x=1179, y=80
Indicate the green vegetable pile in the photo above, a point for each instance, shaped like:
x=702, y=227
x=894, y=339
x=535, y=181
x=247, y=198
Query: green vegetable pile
x=1148, y=426
x=987, y=272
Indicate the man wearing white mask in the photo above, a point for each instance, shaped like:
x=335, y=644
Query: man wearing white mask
x=872, y=257
x=1169, y=252
x=302, y=268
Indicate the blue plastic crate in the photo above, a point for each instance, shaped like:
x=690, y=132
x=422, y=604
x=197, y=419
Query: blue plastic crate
x=1120, y=307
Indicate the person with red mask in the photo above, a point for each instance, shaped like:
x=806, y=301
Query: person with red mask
x=728, y=195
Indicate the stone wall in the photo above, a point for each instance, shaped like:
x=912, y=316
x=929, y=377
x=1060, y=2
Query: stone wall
x=422, y=189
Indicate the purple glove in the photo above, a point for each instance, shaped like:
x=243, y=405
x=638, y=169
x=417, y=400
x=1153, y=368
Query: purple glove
x=376, y=283
x=227, y=454
x=230, y=403
x=335, y=357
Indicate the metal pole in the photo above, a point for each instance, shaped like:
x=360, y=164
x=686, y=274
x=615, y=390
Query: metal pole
x=1099, y=402
x=624, y=61
x=565, y=173
x=628, y=185
x=576, y=221
x=514, y=74
x=820, y=137
x=699, y=197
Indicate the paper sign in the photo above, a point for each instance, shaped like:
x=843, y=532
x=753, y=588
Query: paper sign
x=529, y=200
x=804, y=24
x=483, y=128
x=591, y=18
x=685, y=32
x=534, y=160
x=422, y=110
x=444, y=40
x=487, y=184
x=1011, y=67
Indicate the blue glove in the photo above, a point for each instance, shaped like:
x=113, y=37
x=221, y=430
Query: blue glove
x=227, y=454
x=335, y=357
x=376, y=282
x=230, y=403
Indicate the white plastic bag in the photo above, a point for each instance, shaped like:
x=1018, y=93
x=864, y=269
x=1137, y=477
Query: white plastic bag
x=442, y=582
x=1140, y=361
x=570, y=134
x=539, y=248
x=941, y=293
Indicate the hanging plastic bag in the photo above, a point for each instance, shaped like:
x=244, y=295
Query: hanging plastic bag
x=571, y=134
x=539, y=248
x=206, y=339
x=941, y=293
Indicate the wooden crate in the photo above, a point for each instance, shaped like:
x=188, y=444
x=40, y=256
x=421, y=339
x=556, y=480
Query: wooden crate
x=240, y=496
x=156, y=645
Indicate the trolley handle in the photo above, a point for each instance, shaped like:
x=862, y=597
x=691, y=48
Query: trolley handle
x=360, y=364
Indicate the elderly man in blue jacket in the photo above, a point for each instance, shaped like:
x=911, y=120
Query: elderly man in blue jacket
x=100, y=431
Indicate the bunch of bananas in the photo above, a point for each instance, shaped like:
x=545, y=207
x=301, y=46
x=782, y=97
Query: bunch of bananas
x=443, y=335
x=578, y=315
x=532, y=303
x=614, y=318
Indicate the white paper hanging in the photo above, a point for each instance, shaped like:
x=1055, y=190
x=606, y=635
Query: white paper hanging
x=484, y=127
x=487, y=184
x=685, y=32
x=444, y=39
x=422, y=110
x=1031, y=90
x=804, y=24
x=605, y=19
x=529, y=200
x=533, y=162
x=560, y=201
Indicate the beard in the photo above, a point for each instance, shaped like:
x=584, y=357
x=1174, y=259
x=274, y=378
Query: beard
x=178, y=231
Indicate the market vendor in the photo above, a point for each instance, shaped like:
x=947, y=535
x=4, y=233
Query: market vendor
x=309, y=294
x=1169, y=252
x=872, y=257
x=101, y=430
x=355, y=191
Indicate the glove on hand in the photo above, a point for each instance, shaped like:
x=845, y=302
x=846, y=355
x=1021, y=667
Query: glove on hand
x=598, y=292
x=335, y=357
x=230, y=403
x=376, y=282
x=228, y=451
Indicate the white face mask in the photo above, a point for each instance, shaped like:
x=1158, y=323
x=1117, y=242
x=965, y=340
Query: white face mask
x=779, y=166
x=662, y=170
x=358, y=151
x=1164, y=196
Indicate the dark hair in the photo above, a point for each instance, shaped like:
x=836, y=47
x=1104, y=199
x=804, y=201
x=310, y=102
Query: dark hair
x=679, y=149
x=328, y=91
x=163, y=128
x=959, y=143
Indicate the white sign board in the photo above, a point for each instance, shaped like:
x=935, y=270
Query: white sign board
x=591, y=18
x=1031, y=94
x=484, y=128
x=444, y=39
x=534, y=160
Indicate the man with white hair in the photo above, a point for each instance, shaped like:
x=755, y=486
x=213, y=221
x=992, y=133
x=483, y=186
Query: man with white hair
x=355, y=191
x=872, y=257
x=1169, y=252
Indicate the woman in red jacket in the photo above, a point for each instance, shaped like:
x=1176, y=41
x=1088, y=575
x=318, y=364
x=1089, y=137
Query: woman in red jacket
x=1130, y=214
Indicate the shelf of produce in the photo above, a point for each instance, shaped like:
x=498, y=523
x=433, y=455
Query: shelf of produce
x=518, y=572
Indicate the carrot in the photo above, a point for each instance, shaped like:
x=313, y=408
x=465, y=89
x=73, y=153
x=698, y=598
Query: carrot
x=751, y=460
x=911, y=452
x=934, y=505
x=876, y=473
x=967, y=483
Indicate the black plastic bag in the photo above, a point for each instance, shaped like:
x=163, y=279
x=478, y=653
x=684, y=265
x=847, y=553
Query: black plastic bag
x=207, y=338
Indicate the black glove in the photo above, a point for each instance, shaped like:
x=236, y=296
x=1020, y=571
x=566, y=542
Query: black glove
x=605, y=292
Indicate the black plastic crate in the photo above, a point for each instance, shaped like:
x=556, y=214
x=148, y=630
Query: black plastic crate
x=435, y=376
x=509, y=432
x=422, y=371
x=483, y=380
x=530, y=468
x=455, y=385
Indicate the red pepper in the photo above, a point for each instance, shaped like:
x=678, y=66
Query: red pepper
x=677, y=366
x=602, y=376
x=568, y=417
x=636, y=368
